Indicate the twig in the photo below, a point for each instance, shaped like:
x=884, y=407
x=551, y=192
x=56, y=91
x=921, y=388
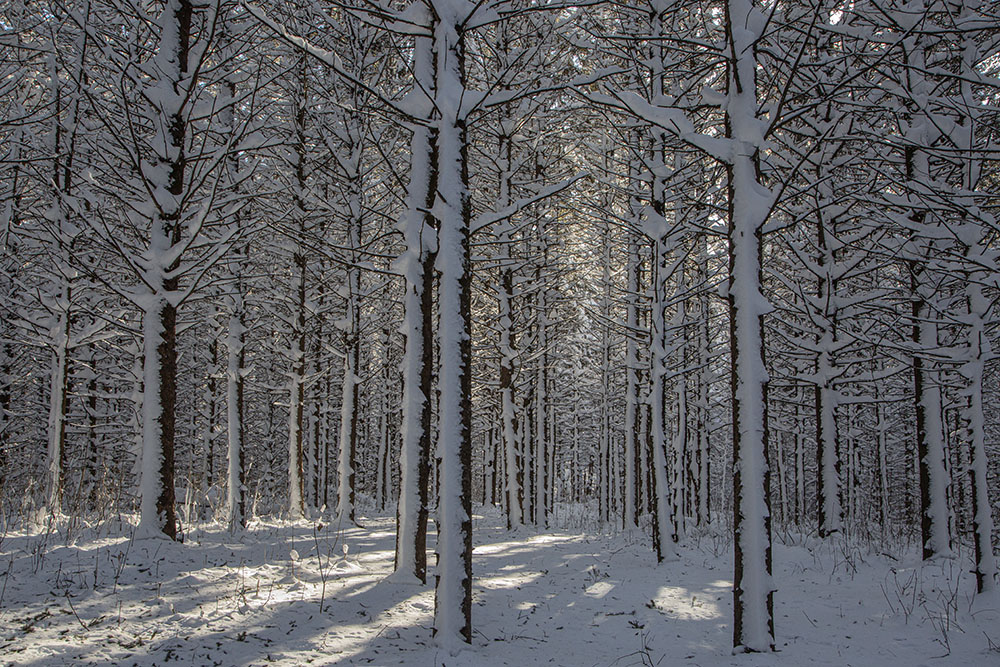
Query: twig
x=322, y=572
x=73, y=609
x=6, y=578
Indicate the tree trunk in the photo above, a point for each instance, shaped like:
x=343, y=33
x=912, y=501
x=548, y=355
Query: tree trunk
x=159, y=313
x=931, y=454
x=58, y=403
x=663, y=518
x=541, y=392
x=828, y=486
x=418, y=353
x=974, y=418
x=235, y=342
x=348, y=433
x=296, y=387
x=604, y=453
x=453, y=594
x=631, y=427
x=235, y=463
x=753, y=623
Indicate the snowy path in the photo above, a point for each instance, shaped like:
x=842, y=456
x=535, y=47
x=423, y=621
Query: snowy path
x=558, y=598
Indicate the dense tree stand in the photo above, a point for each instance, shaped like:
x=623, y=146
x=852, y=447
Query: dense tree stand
x=297, y=292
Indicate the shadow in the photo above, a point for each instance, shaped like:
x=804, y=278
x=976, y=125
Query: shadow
x=289, y=594
x=257, y=598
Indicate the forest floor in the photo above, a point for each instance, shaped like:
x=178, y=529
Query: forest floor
x=289, y=594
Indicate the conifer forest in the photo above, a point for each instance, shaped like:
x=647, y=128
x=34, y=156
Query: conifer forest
x=499, y=332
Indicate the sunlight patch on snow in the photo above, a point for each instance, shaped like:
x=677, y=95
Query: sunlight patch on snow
x=297, y=591
x=382, y=534
x=374, y=556
x=507, y=548
x=549, y=539
x=599, y=590
x=685, y=604
x=507, y=580
x=488, y=549
x=555, y=600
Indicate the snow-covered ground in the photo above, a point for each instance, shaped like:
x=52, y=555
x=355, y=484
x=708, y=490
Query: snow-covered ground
x=553, y=598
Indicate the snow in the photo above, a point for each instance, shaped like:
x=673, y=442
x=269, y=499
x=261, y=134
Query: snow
x=295, y=592
x=557, y=598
